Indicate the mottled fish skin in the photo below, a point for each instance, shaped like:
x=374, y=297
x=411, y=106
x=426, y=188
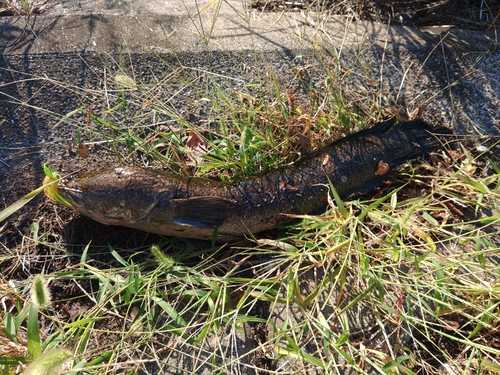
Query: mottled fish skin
x=193, y=207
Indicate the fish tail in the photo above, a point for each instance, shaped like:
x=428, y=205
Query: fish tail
x=422, y=135
x=417, y=131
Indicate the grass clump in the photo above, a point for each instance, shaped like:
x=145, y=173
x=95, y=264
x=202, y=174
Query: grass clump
x=24, y=347
x=401, y=281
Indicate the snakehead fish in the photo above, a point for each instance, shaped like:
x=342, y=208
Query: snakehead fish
x=194, y=207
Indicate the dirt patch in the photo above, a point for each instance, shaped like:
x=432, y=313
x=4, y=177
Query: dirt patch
x=260, y=335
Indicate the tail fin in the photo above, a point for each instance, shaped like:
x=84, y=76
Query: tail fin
x=424, y=136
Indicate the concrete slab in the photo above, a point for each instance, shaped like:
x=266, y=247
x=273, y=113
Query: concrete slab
x=193, y=27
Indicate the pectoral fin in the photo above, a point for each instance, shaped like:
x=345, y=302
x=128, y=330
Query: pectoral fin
x=202, y=212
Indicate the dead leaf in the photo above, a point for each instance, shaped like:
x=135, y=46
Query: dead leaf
x=420, y=113
x=326, y=160
x=74, y=311
x=236, y=296
x=382, y=168
x=437, y=30
x=451, y=321
x=198, y=147
x=195, y=142
x=83, y=151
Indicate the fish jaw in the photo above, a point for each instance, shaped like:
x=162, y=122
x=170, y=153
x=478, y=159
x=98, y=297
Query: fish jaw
x=116, y=196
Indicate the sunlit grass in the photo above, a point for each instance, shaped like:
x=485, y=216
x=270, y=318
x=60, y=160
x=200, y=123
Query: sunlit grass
x=404, y=282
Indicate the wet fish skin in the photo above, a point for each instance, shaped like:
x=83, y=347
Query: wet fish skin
x=192, y=207
x=149, y=200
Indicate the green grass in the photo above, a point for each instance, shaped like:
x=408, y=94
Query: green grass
x=405, y=282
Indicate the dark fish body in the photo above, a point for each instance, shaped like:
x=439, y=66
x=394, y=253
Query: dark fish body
x=193, y=207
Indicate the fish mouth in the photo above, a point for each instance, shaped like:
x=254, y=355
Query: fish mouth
x=73, y=196
x=52, y=189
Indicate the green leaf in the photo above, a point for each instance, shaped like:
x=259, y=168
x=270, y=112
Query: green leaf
x=338, y=201
x=34, y=344
x=14, y=361
x=103, y=357
x=83, y=258
x=10, y=329
x=488, y=365
x=495, y=167
x=20, y=318
x=376, y=203
x=77, y=366
x=171, y=311
x=6, y=212
x=51, y=186
x=85, y=337
x=118, y=257
x=301, y=354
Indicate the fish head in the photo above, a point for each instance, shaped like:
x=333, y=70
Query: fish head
x=115, y=196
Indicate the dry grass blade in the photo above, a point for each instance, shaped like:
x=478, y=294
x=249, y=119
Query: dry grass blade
x=402, y=280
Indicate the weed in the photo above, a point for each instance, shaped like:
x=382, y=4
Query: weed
x=401, y=281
